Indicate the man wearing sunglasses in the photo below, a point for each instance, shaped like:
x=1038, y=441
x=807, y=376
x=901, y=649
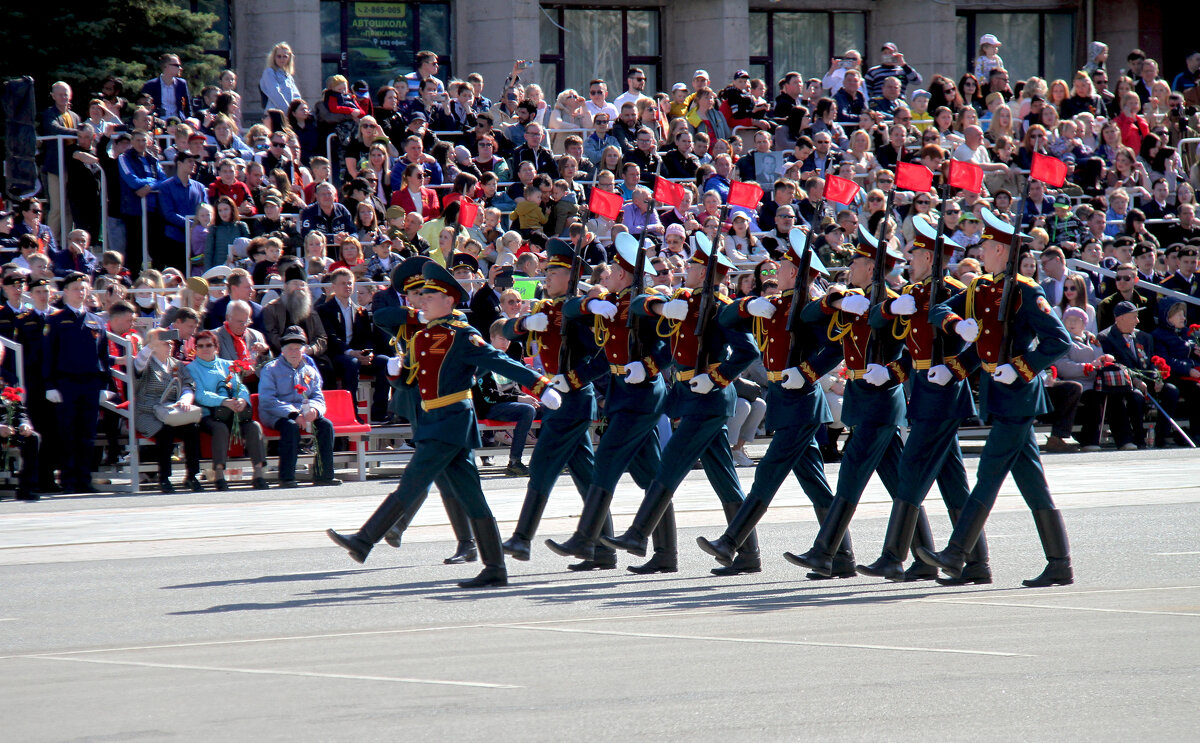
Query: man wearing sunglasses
x=169, y=90
x=596, y=103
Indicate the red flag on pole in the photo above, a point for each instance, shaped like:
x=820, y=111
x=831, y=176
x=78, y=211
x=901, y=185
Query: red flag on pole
x=748, y=195
x=966, y=175
x=467, y=212
x=667, y=192
x=1048, y=170
x=913, y=177
x=840, y=190
x=605, y=204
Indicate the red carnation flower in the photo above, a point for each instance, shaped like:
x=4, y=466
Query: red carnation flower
x=300, y=389
x=1053, y=372
x=1088, y=370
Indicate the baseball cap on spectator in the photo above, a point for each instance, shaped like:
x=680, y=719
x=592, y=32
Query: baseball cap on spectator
x=1124, y=308
x=417, y=116
x=461, y=153
x=197, y=138
x=678, y=86
x=989, y=39
x=198, y=285
x=394, y=212
x=918, y=93
x=238, y=247
x=1062, y=200
x=1077, y=313
x=890, y=45
x=831, y=228
x=293, y=334
x=969, y=217
x=677, y=230
x=740, y=74
x=273, y=197
x=217, y=274
x=701, y=73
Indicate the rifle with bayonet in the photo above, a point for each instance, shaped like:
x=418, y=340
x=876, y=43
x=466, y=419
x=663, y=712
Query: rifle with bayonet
x=1008, y=297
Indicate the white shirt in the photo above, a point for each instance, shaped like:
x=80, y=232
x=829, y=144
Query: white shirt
x=347, y=317
x=607, y=108
x=979, y=155
x=169, y=104
x=627, y=97
x=416, y=200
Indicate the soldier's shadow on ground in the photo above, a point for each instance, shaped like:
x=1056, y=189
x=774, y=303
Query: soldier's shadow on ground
x=607, y=591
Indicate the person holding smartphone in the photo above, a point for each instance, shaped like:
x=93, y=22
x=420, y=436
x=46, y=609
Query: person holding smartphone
x=891, y=64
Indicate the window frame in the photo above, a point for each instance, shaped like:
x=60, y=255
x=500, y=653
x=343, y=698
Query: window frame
x=615, y=87
x=225, y=54
x=972, y=40
x=342, y=57
x=768, y=61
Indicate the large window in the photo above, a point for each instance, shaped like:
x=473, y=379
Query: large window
x=782, y=41
x=376, y=41
x=223, y=26
x=581, y=44
x=1041, y=44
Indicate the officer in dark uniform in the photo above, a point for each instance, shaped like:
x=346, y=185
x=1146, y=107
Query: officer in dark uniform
x=796, y=406
x=1011, y=394
x=873, y=406
x=401, y=323
x=30, y=327
x=564, y=439
x=20, y=434
x=939, y=401
x=702, y=399
x=442, y=360
x=14, y=287
x=633, y=406
x=1186, y=280
x=76, y=371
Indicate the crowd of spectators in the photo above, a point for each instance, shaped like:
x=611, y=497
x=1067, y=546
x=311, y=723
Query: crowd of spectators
x=269, y=239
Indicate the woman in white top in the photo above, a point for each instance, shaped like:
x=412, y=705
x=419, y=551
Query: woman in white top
x=569, y=113
x=277, y=85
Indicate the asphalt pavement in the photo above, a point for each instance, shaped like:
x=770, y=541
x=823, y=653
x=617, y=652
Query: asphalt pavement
x=229, y=616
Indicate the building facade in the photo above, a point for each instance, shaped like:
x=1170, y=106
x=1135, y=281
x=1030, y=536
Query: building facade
x=572, y=42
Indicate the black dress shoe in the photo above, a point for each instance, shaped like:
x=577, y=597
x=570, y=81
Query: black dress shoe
x=659, y=562
x=517, y=548
x=491, y=577
x=722, y=549
x=586, y=565
x=466, y=552
x=221, y=484
x=27, y=495
x=165, y=486
x=259, y=483
x=919, y=571
x=978, y=574
x=745, y=562
x=327, y=482
x=356, y=546
x=288, y=484
x=576, y=546
x=194, y=484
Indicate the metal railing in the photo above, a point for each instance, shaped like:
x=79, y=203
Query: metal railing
x=12, y=347
x=61, y=196
x=128, y=377
x=1093, y=268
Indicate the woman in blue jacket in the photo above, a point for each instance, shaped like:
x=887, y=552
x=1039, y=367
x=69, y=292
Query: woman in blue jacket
x=222, y=396
x=1172, y=343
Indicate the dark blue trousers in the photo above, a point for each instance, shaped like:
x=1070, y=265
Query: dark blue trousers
x=872, y=448
x=932, y=453
x=1011, y=447
x=793, y=449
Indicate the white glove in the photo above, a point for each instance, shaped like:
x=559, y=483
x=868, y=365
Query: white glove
x=940, y=375
x=968, y=330
x=393, y=366
x=1005, y=374
x=876, y=375
x=551, y=398
x=560, y=383
x=104, y=396
x=635, y=373
x=701, y=384
x=421, y=316
x=676, y=309
x=603, y=308
x=855, y=304
x=904, y=305
x=537, y=322
x=792, y=379
x=761, y=307
x=54, y=396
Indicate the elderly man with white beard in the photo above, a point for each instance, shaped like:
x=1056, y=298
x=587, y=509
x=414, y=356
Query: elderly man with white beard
x=294, y=307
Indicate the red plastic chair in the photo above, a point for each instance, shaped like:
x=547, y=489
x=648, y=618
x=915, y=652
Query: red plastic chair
x=339, y=409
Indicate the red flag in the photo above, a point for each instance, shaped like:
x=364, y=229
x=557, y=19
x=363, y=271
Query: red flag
x=748, y=195
x=605, y=204
x=666, y=192
x=966, y=175
x=841, y=190
x=913, y=177
x=467, y=212
x=1048, y=170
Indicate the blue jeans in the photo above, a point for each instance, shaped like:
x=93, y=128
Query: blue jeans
x=522, y=414
x=289, y=445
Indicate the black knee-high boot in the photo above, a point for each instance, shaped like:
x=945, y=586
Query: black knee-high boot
x=461, y=524
x=650, y=513
x=747, y=559
x=923, y=536
x=902, y=523
x=820, y=558
x=494, y=573
x=977, y=570
x=531, y=515
x=582, y=543
x=1053, y=534
x=741, y=526
x=967, y=529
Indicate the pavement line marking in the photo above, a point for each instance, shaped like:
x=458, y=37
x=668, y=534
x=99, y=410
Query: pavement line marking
x=1170, y=554
x=267, y=672
x=763, y=641
x=1025, y=591
x=1072, y=608
x=9, y=619
x=333, y=635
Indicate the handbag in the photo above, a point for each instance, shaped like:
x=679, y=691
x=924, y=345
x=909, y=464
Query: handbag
x=222, y=414
x=168, y=410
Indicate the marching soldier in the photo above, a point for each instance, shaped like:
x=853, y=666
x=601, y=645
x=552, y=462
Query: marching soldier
x=1011, y=394
x=796, y=406
x=939, y=401
x=401, y=323
x=873, y=406
x=76, y=370
x=442, y=360
x=564, y=439
x=706, y=362
x=633, y=406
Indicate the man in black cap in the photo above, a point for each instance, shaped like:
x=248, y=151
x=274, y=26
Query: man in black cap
x=75, y=370
x=442, y=359
x=1126, y=282
x=1133, y=348
x=289, y=397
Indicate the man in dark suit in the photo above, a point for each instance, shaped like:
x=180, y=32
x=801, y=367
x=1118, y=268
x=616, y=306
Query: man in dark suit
x=1185, y=280
x=1126, y=291
x=1133, y=349
x=240, y=286
x=170, y=92
x=533, y=151
x=348, y=331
